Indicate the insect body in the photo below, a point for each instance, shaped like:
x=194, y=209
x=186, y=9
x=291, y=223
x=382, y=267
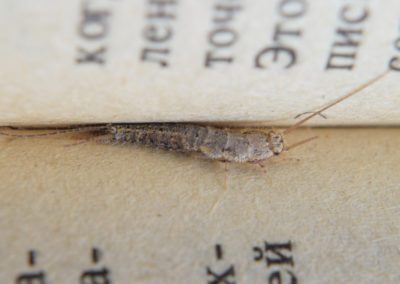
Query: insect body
x=221, y=144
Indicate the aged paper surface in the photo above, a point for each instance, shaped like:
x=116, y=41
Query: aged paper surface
x=328, y=212
x=91, y=61
x=159, y=217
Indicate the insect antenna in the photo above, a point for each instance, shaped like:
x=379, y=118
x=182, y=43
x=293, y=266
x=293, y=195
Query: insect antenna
x=57, y=132
x=353, y=92
x=290, y=147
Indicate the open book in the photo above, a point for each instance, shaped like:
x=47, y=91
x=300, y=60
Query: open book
x=82, y=61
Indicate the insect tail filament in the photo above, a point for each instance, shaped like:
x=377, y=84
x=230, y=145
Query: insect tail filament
x=56, y=132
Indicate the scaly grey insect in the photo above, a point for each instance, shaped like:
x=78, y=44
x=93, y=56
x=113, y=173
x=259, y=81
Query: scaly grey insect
x=222, y=144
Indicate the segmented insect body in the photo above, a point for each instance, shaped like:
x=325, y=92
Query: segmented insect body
x=221, y=144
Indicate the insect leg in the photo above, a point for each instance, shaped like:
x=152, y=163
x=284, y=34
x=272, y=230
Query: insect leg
x=300, y=143
x=258, y=163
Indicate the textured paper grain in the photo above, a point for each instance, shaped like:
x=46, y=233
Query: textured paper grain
x=157, y=216
x=43, y=79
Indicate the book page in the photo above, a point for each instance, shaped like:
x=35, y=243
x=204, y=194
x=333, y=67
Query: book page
x=326, y=212
x=93, y=61
x=75, y=211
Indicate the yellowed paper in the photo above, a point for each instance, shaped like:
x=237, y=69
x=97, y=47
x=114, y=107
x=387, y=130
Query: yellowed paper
x=160, y=217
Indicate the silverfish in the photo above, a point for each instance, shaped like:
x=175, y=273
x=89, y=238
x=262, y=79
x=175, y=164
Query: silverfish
x=214, y=143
